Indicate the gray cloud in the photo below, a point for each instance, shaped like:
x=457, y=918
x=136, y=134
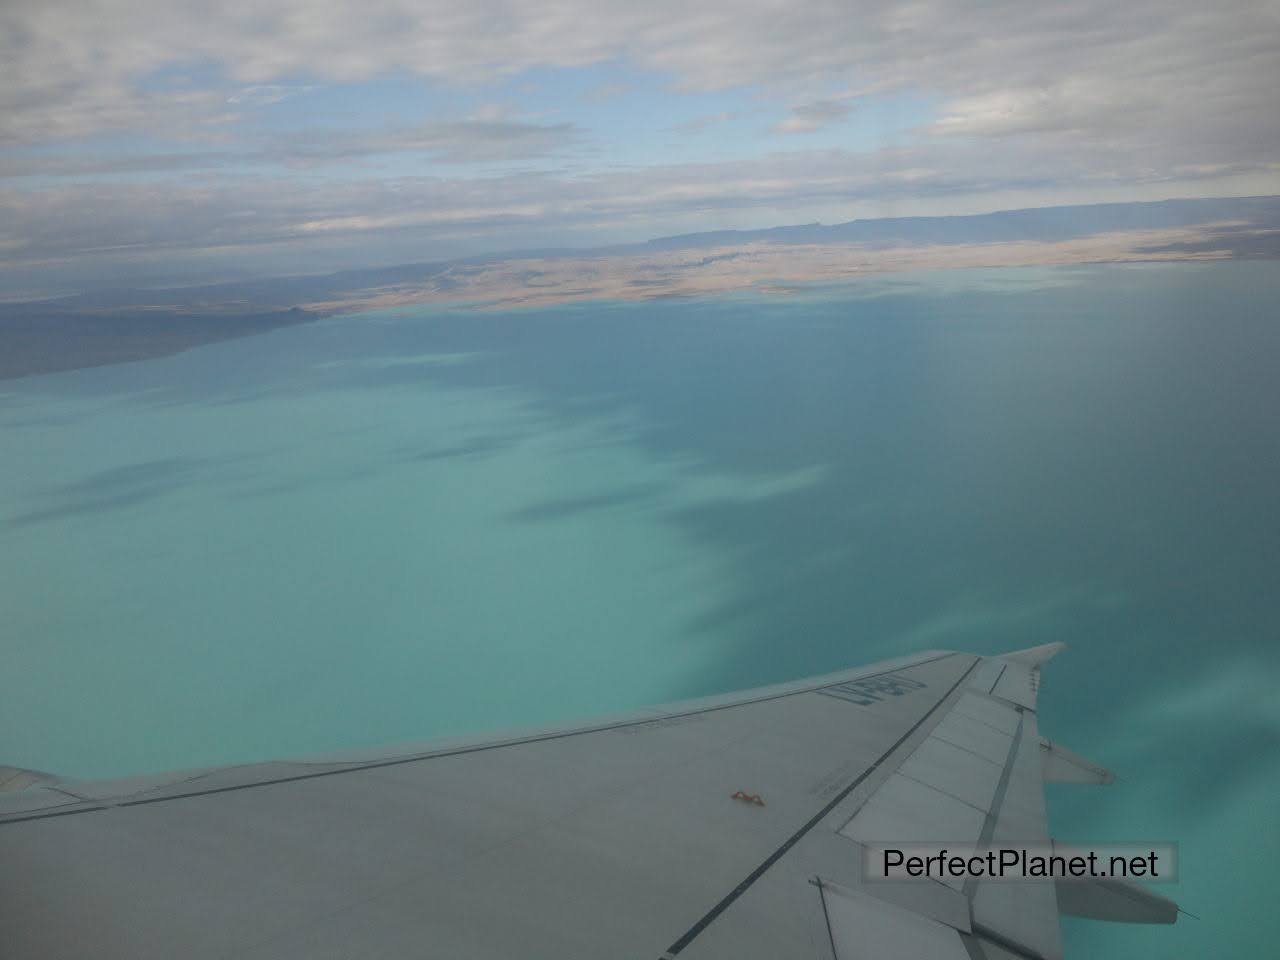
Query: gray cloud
x=221, y=216
x=461, y=141
x=808, y=117
x=704, y=123
x=1032, y=102
x=608, y=91
x=266, y=93
x=475, y=140
x=1189, y=73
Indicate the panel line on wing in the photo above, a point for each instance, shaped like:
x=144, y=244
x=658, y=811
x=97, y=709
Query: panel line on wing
x=826, y=915
x=707, y=918
x=997, y=803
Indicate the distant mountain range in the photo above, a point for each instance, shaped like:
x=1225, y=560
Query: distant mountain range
x=1040, y=224
x=113, y=326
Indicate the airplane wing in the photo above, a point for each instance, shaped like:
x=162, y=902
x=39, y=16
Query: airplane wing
x=730, y=827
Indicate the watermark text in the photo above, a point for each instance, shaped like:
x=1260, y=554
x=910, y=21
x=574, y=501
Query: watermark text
x=1151, y=862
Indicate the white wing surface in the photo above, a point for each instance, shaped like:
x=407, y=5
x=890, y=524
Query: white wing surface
x=730, y=827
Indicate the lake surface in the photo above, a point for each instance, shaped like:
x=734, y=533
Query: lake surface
x=395, y=525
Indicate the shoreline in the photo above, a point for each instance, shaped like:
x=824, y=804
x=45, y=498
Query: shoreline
x=61, y=336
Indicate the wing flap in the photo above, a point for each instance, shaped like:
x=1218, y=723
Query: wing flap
x=1060, y=765
x=1115, y=900
x=863, y=926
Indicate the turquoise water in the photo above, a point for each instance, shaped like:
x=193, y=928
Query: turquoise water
x=429, y=521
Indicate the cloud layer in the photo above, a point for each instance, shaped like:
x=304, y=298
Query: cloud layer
x=73, y=67
x=1090, y=93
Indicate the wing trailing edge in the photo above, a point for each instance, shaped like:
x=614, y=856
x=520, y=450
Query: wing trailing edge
x=1115, y=900
x=1061, y=765
x=1034, y=656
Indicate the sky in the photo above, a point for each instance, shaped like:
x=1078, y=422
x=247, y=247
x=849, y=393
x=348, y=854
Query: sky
x=166, y=142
